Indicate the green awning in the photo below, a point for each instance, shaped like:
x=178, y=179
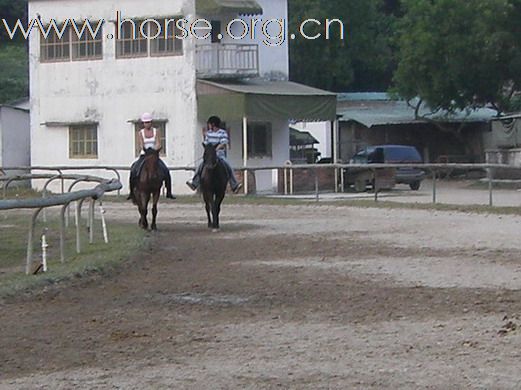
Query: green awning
x=264, y=100
x=213, y=7
x=301, y=138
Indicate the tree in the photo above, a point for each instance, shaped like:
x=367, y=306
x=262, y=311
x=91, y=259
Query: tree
x=14, y=79
x=11, y=11
x=459, y=54
x=14, y=62
x=362, y=61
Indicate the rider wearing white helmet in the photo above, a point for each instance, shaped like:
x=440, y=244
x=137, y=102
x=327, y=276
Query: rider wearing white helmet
x=149, y=139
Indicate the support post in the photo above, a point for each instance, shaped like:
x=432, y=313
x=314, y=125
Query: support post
x=490, y=187
x=335, y=150
x=316, y=185
x=29, y=257
x=62, y=232
x=433, y=186
x=245, y=152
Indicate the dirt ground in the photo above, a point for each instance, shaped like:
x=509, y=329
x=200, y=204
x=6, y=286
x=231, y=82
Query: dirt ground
x=291, y=297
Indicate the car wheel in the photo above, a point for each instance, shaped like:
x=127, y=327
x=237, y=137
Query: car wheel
x=415, y=186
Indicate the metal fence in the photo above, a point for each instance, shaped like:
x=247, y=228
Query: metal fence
x=64, y=200
x=435, y=171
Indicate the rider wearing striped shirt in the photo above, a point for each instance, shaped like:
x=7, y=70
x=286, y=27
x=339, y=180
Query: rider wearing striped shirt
x=216, y=136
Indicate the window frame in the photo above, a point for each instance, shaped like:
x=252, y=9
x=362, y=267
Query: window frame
x=252, y=139
x=152, y=45
x=70, y=41
x=83, y=155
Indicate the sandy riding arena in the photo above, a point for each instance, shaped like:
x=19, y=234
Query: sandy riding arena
x=284, y=297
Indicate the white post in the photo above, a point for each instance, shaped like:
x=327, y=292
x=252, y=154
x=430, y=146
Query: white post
x=245, y=151
x=44, y=251
x=103, y=223
x=335, y=150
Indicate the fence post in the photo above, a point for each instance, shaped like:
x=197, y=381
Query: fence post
x=91, y=219
x=342, y=180
x=291, y=181
x=78, y=216
x=316, y=185
x=433, y=186
x=490, y=187
x=62, y=232
x=29, y=258
x=375, y=177
x=285, y=181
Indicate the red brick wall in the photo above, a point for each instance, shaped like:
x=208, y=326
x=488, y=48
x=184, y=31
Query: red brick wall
x=304, y=180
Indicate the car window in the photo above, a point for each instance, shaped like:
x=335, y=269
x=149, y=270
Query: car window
x=376, y=156
x=400, y=154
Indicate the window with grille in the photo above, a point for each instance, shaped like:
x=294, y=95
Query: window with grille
x=83, y=141
x=166, y=43
x=259, y=139
x=133, y=42
x=55, y=48
x=87, y=47
x=161, y=133
x=68, y=46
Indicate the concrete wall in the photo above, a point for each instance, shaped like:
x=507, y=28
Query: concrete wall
x=15, y=142
x=112, y=91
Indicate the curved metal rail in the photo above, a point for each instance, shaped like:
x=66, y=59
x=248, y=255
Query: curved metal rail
x=63, y=200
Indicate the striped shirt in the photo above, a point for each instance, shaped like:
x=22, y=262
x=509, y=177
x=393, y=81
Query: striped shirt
x=219, y=137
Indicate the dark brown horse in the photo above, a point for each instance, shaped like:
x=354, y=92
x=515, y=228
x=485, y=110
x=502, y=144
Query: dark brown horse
x=148, y=184
x=214, y=180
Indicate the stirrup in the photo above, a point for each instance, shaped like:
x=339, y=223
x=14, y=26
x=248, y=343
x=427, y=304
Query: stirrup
x=191, y=185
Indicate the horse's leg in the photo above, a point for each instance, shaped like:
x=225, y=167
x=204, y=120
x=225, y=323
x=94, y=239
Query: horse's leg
x=155, y=199
x=218, y=200
x=209, y=206
x=138, y=200
x=144, y=209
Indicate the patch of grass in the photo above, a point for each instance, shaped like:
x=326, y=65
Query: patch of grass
x=96, y=258
x=21, y=193
x=476, y=209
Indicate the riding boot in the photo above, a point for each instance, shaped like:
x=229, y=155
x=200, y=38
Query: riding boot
x=234, y=184
x=168, y=185
x=132, y=181
x=168, y=180
x=196, y=180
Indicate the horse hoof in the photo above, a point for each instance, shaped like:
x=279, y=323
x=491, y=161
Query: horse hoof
x=215, y=230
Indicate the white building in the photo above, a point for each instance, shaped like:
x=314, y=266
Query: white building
x=15, y=143
x=87, y=94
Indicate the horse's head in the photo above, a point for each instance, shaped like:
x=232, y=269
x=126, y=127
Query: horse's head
x=210, y=155
x=152, y=153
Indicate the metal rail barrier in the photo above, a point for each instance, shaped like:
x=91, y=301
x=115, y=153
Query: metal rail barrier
x=63, y=200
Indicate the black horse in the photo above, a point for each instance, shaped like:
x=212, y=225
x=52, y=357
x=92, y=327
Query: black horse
x=148, y=185
x=214, y=179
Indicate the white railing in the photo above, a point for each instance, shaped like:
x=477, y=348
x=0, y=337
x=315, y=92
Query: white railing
x=227, y=60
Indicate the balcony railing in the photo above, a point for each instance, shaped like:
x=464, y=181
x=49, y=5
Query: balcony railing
x=227, y=61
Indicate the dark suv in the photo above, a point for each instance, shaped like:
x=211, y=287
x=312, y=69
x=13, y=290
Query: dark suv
x=394, y=154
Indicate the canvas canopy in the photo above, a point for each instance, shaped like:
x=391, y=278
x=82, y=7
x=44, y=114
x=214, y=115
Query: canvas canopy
x=265, y=100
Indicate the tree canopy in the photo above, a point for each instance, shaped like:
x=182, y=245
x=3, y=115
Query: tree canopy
x=455, y=54
x=14, y=62
x=362, y=61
